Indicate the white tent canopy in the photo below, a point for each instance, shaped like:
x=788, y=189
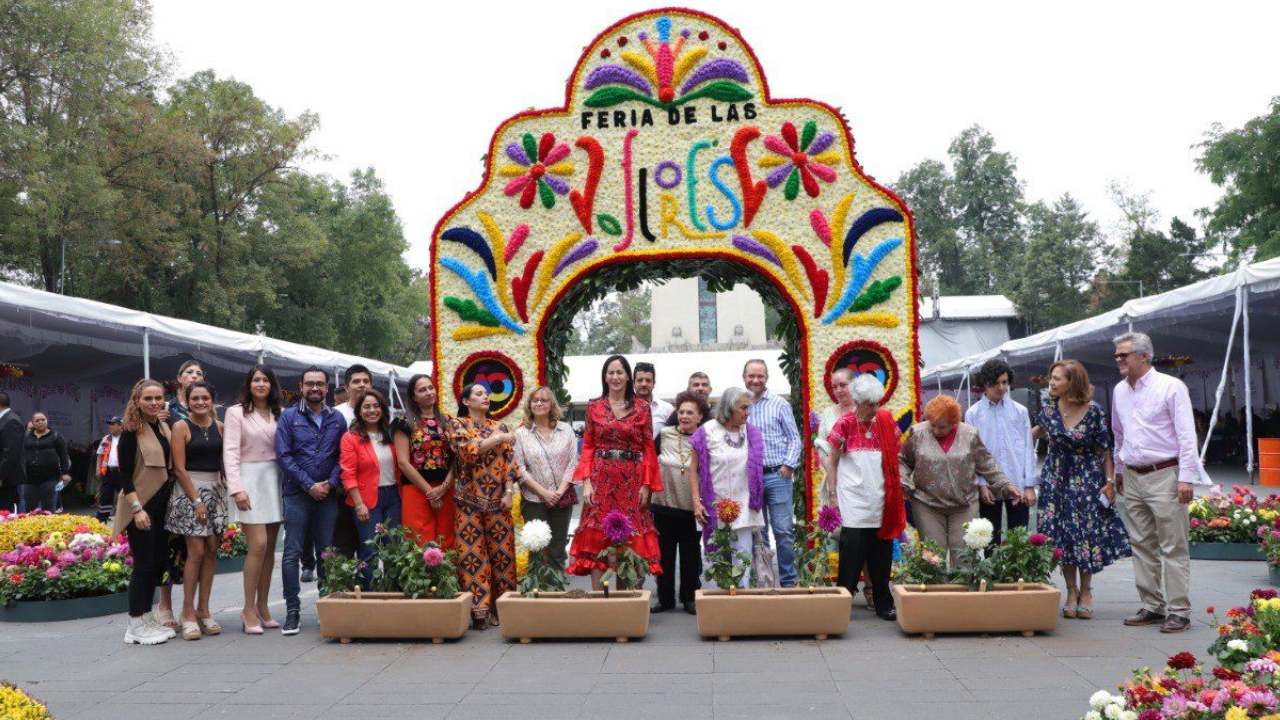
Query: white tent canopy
x=81, y=347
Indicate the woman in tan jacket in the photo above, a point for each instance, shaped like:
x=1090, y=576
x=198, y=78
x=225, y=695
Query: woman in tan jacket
x=939, y=464
x=146, y=480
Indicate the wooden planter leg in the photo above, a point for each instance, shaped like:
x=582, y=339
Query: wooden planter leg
x=622, y=639
x=928, y=636
x=1028, y=633
x=724, y=638
x=820, y=637
x=345, y=641
x=437, y=641
x=525, y=641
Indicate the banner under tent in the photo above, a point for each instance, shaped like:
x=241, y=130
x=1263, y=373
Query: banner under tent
x=77, y=359
x=1201, y=332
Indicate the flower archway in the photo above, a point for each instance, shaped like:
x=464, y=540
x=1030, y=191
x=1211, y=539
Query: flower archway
x=670, y=148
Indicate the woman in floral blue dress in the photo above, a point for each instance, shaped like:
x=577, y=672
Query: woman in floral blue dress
x=1075, y=482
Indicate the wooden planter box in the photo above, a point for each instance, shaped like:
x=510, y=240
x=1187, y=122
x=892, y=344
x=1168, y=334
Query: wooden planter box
x=930, y=609
x=225, y=565
x=820, y=612
x=70, y=609
x=621, y=616
x=1226, y=551
x=346, y=616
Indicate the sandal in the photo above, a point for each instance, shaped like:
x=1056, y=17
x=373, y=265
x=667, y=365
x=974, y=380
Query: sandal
x=1085, y=612
x=165, y=618
x=1069, y=609
x=191, y=630
x=868, y=597
x=209, y=626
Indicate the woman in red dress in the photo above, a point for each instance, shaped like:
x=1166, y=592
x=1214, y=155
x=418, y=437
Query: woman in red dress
x=618, y=470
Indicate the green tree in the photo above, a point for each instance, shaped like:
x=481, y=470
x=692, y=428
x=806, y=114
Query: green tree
x=925, y=188
x=1245, y=163
x=66, y=67
x=986, y=200
x=1063, y=248
x=613, y=324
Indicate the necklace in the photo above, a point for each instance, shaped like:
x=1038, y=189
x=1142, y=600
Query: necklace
x=735, y=441
x=870, y=426
x=204, y=431
x=683, y=451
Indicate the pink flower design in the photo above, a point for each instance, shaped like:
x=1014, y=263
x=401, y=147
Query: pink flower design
x=433, y=556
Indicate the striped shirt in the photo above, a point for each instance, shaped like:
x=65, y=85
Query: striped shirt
x=782, y=444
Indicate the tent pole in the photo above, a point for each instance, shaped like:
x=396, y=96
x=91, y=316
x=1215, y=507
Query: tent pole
x=393, y=393
x=1222, y=382
x=1057, y=351
x=1248, y=390
x=146, y=352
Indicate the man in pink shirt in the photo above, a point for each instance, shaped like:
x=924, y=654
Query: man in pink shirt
x=1157, y=468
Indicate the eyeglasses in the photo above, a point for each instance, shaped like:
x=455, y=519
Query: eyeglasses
x=314, y=384
x=1121, y=356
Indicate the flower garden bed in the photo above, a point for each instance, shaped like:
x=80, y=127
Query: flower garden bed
x=413, y=593
x=60, y=568
x=1242, y=686
x=16, y=704
x=1229, y=526
x=231, y=550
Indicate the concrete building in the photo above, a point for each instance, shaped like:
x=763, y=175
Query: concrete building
x=686, y=316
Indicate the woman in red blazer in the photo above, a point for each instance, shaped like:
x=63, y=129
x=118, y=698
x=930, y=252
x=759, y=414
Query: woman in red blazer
x=370, y=473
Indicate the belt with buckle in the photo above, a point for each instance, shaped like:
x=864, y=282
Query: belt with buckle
x=618, y=454
x=772, y=469
x=1148, y=469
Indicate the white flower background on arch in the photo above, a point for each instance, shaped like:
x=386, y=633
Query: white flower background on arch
x=669, y=147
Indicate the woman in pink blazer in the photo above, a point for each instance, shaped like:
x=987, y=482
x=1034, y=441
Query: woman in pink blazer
x=371, y=473
x=249, y=462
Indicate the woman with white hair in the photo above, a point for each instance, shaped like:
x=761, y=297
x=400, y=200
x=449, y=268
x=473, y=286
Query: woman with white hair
x=862, y=479
x=728, y=462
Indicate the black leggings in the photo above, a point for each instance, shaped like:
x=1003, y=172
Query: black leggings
x=150, y=550
x=677, y=533
x=860, y=546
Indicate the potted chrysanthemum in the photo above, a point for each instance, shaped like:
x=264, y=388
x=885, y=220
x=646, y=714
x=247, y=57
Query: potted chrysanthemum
x=414, y=593
x=1004, y=589
x=60, y=567
x=728, y=611
x=542, y=608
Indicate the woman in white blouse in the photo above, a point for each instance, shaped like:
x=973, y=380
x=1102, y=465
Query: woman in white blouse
x=249, y=461
x=728, y=461
x=546, y=454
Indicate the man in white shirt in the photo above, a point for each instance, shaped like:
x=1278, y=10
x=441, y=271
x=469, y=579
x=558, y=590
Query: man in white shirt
x=659, y=410
x=355, y=381
x=1005, y=428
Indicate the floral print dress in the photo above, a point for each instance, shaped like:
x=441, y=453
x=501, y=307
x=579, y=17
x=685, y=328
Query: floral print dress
x=1090, y=536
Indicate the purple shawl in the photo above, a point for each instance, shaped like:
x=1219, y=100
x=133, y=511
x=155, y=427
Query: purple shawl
x=755, y=473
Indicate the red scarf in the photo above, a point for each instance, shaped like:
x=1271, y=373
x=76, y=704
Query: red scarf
x=893, y=521
x=946, y=442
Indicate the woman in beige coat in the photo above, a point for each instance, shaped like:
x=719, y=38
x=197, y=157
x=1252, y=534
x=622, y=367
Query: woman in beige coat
x=940, y=464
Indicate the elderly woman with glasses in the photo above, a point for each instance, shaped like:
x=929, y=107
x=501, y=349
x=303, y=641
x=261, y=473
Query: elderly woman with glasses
x=862, y=478
x=939, y=464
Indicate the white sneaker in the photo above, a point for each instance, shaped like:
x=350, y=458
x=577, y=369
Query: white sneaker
x=168, y=632
x=140, y=632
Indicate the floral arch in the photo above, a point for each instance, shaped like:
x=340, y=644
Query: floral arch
x=670, y=148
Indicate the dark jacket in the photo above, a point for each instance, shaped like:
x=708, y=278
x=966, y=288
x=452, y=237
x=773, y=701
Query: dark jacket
x=13, y=470
x=46, y=457
x=308, y=454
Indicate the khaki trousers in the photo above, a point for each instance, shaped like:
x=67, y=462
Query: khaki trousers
x=1158, y=525
x=944, y=525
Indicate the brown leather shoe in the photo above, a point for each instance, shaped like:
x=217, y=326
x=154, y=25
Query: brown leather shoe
x=1144, y=617
x=1175, y=624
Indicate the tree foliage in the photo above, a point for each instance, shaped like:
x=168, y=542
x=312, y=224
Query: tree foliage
x=614, y=323
x=1063, y=248
x=185, y=198
x=1245, y=163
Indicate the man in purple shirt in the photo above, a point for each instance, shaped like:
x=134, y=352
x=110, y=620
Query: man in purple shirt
x=1157, y=468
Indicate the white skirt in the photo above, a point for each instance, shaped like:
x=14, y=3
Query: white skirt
x=262, y=483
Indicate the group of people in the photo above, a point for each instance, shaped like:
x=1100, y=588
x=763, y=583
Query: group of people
x=331, y=475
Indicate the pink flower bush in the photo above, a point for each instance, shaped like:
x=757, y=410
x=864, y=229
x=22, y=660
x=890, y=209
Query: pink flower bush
x=829, y=518
x=433, y=556
x=1038, y=539
x=617, y=527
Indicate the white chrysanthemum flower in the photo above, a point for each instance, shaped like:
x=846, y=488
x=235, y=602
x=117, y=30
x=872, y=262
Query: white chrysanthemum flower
x=1093, y=715
x=1237, y=645
x=1129, y=715
x=1113, y=711
x=87, y=540
x=977, y=533
x=535, y=535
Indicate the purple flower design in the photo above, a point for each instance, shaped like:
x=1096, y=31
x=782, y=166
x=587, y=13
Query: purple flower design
x=617, y=527
x=829, y=518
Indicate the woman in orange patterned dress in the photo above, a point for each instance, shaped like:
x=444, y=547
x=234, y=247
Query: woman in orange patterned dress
x=618, y=470
x=486, y=476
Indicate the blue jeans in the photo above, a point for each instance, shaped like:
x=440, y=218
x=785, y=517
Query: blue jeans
x=305, y=518
x=780, y=514
x=387, y=512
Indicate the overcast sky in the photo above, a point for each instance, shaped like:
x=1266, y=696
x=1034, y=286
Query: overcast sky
x=1081, y=93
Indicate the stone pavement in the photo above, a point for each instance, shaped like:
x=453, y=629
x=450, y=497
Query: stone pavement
x=84, y=671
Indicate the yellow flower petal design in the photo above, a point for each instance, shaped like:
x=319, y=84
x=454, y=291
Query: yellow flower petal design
x=830, y=157
x=565, y=167
x=511, y=170
x=788, y=258
x=471, y=332
x=642, y=64
x=874, y=319
x=769, y=161
x=837, y=245
x=549, y=263
x=498, y=242
x=686, y=63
